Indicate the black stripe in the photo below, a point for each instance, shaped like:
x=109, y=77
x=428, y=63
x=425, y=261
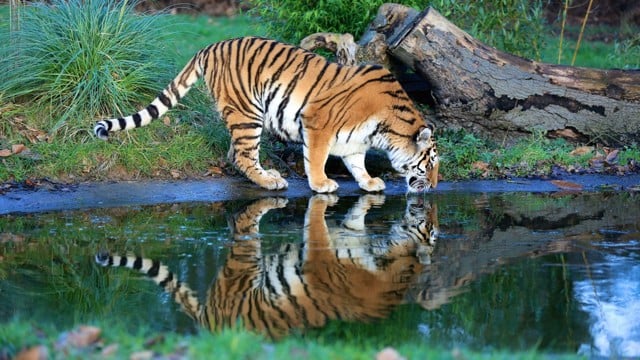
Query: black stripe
x=300, y=71
x=153, y=111
x=166, y=280
x=389, y=131
x=137, y=120
x=278, y=54
x=165, y=100
x=335, y=76
x=265, y=57
x=315, y=83
x=174, y=91
x=386, y=78
x=245, y=126
x=153, y=271
x=246, y=137
x=370, y=68
x=399, y=94
x=123, y=261
x=350, y=133
x=408, y=121
x=402, y=108
x=122, y=122
x=285, y=64
x=109, y=124
x=137, y=264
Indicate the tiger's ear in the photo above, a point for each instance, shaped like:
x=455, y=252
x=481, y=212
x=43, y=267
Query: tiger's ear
x=424, y=135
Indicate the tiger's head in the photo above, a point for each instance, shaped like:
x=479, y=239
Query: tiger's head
x=420, y=168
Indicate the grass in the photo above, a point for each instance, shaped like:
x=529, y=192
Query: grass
x=166, y=151
x=466, y=155
x=118, y=343
x=190, y=140
x=81, y=60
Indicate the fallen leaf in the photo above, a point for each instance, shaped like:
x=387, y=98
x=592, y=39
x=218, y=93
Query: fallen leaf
x=597, y=162
x=87, y=166
x=612, y=157
x=39, y=352
x=109, y=350
x=142, y=355
x=9, y=237
x=566, y=185
x=18, y=148
x=582, y=150
x=166, y=120
x=480, y=165
x=5, y=153
x=389, y=354
x=214, y=171
x=159, y=339
x=175, y=174
x=80, y=337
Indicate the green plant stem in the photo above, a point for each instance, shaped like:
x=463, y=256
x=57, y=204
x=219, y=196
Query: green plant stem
x=564, y=23
x=584, y=24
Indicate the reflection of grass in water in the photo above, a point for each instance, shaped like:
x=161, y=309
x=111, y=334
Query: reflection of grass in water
x=56, y=280
x=50, y=260
x=494, y=309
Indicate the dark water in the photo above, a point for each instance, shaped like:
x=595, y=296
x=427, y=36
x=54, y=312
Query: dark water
x=516, y=271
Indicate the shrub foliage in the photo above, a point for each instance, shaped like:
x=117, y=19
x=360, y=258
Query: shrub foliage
x=76, y=60
x=511, y=25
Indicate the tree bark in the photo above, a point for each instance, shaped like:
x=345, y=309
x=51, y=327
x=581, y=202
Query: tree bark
x=473, y=86
x=485, y=90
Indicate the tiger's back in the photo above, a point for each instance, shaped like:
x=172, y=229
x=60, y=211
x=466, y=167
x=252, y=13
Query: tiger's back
x=263, y=85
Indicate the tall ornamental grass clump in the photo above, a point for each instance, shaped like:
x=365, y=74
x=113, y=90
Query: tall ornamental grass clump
x=73, y=61
x=515, y=26
x=626, y=54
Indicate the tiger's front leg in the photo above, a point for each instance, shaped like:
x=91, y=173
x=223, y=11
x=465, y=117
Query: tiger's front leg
x=316, y=151
x=245, y=152
x=355, y=164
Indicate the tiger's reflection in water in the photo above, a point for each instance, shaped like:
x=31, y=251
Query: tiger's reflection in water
x=336, y=272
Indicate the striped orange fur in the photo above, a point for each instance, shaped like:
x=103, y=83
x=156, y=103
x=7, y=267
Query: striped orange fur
x=264, y=85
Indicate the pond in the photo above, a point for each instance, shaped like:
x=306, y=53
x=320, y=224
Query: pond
x=557, y=272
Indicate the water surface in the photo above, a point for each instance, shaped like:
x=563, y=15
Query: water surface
x=560, y=272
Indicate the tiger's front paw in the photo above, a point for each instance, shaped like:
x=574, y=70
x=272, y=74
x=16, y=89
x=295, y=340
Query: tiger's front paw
x=372, y=185
x=325, y=186
x=272, y=180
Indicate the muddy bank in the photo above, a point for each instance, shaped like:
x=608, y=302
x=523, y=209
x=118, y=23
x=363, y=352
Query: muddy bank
x=132, y=193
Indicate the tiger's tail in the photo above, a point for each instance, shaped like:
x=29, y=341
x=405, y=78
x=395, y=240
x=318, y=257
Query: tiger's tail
x=168, y=98
x=161, y=275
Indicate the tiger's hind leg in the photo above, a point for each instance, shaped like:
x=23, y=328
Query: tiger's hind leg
x=245, y=152
x=355, y=164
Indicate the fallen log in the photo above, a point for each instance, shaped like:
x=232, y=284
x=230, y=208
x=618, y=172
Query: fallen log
x=478, y=88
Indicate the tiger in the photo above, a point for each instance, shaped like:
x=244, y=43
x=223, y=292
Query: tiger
x=336, y=272
x=261, y=85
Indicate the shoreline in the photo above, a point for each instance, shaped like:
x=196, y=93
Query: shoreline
x=21, y=200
